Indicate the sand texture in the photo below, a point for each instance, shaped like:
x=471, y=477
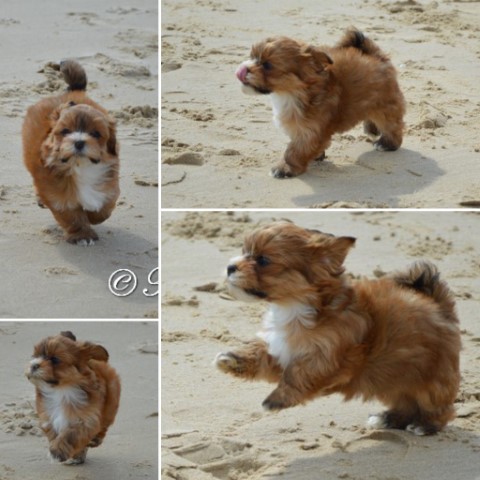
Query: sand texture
x=213, y=426
x=130, y=450
x=218, y=145
x=41, y=275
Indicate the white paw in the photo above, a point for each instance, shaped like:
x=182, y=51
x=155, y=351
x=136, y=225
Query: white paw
x=416, y=429
x=85, y=242
x=376, y=421
x=225, y=362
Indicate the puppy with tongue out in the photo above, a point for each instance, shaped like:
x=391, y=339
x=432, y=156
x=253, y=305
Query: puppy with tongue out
x=319, y=91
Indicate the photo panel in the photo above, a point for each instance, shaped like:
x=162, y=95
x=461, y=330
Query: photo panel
x=56, y=390
x=79, y=115
x=223, y=426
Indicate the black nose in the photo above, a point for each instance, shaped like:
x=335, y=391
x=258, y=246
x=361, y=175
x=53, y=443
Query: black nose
x=231, y=269
x=79, y=144
x=34, y=367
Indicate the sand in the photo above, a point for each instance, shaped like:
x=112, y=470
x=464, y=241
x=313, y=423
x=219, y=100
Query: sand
x=218, y=145
x=213, y=426
x=41, y=275
x=130, y=450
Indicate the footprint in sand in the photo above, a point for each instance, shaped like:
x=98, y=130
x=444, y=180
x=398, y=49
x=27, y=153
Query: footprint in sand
x=187, y=158
x=223, y=458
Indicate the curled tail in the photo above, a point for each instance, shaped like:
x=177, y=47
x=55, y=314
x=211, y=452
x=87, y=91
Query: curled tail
x=354, y=38
x=424, y=277
x=74, y=75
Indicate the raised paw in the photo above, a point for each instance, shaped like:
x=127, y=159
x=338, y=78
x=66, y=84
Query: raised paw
x=95, y=442
x=228, y=362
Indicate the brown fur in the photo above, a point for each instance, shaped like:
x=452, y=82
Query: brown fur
x=395, y=339
x=61, y=363
x=47, y=153
x=330, y=90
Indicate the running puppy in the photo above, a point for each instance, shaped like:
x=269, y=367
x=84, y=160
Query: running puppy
x=395, y=339
x=77, y=394
x=71, y=151
x=319, y=91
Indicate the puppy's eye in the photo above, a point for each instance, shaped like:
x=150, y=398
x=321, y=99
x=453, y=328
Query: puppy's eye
x=95, y=134
x=267, y=66
x=262, y=261
x=65, y=132
x=54, y=360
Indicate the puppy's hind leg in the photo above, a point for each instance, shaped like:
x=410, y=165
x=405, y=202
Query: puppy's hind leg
x=251, y=362
x=402, y=413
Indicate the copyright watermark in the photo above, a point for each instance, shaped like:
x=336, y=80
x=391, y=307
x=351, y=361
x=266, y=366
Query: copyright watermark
x=123, y=282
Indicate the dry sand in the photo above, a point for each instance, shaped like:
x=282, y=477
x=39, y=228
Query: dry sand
x=41, y=275
x=218, y=144
x=213, y=426
x=130, y=450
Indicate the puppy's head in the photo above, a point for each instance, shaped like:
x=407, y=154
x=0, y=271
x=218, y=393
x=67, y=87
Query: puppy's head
x=61, y=360
x=79, y=134
x=283, y=263
x=282, y=65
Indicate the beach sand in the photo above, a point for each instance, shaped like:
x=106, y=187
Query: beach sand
x=213, y=426
x=218, y=145
x=130, y=449
x=40, y=274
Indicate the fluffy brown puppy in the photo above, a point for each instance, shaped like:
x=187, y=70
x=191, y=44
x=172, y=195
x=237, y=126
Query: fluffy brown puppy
x=319, y=91
x=395, y=339
x=77, y=394
x=70, y=149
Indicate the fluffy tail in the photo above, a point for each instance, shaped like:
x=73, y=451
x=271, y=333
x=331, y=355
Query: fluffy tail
x=424, y=277
x=353, y=38
x=74, y=75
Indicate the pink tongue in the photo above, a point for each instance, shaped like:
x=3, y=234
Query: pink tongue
x=241, y=73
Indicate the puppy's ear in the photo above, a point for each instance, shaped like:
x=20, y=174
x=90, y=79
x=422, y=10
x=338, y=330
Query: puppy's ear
x=69, y=334
x=331, y=251
x=321, y=59
x=112, y=145
x=91, y=351
x=55, y=115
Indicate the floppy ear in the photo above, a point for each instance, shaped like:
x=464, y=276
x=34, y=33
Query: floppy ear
x=90, y=351
x=321, y=59
x=55, y=115
x=112, y=145
x=68, y=334
x=331, y=251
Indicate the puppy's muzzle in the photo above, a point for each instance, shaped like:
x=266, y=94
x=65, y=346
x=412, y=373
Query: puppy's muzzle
x=79, y=145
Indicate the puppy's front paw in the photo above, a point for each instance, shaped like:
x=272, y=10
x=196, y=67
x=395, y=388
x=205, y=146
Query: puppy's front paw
x=77, y=459
x=228, y=362
x=282, y=170
x=278, y=400
x=57, y=454
x=84, y=238
x=95, y=442
x=385, y=144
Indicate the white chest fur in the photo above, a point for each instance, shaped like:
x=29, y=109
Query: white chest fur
x=277, y=324
x=89, y=178
x=57, y=400
x=286, y=109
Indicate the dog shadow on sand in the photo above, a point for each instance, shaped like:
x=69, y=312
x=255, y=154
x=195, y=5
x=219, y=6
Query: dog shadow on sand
x=392, y=454
x=375, y=179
